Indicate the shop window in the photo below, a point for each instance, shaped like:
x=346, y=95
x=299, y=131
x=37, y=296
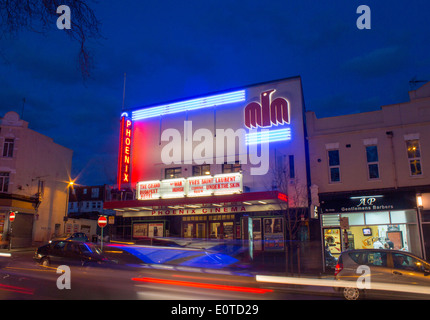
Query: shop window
x=231, y=167
x=404, y=216
x=330, y=220
x=377, y=217
x=201, y=170
x=334, y=165
x=172, y=173
x=414, y=157
x=4, y=181
x=372, y=162
x=8, y=148
x=354, y=219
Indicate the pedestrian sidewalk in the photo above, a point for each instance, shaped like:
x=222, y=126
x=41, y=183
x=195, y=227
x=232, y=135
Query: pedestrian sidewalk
x=6, y=250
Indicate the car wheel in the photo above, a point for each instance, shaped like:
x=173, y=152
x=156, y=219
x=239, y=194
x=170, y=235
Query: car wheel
x=45, y=262
x=352, y=293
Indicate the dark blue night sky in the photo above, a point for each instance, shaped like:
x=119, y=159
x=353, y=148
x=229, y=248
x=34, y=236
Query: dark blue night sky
x=176, y=49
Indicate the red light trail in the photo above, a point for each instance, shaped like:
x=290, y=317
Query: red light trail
x=204, y=285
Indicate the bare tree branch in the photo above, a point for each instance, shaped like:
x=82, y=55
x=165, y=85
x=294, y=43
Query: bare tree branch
x=41, y=15
x=296, y=206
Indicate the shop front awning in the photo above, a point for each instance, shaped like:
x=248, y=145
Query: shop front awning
x=240, y=202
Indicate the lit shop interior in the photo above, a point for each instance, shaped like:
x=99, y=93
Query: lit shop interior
x=368, y=230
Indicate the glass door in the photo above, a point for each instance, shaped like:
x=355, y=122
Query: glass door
x=188, y=229
x=228, y=230
x=222, y=230
x=194, y=229
x=200, y=230
x=332, y=246
x=215, y=230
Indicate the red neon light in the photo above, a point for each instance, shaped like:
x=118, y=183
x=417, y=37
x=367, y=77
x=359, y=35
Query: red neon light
x=124, y=153
x=282, y=196
x=204, y=285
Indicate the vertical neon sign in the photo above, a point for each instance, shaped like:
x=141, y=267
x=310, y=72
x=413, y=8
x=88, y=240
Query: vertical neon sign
x=124, y=154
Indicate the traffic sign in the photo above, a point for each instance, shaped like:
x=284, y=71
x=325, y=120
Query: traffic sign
x=12, y=216
x=102, y=221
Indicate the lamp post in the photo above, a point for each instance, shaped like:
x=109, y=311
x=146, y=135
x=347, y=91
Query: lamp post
x=69, y=184
x=420, y=208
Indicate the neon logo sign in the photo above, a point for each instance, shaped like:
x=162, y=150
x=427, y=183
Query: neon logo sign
x=267, y=113
x=124, y=151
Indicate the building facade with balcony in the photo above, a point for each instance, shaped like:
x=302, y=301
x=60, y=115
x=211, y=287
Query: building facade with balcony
x=34, y=175
x=368, y=172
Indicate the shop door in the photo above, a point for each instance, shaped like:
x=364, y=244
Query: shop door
x=222, y=230
x=200, y=230
x=332, y=246
x=194, y=230
x=188, y=230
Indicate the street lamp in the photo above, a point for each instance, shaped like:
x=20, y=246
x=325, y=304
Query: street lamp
x=69, y=184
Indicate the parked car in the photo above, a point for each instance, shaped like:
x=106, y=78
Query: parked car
x=77, y=236
x=385, y=266
x=70, y=252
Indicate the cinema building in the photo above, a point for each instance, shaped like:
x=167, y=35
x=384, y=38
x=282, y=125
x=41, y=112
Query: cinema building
x=371, y=173
x=226, y=165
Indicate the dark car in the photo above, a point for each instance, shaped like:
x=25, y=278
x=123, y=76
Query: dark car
x=69, y=252
x=77, y=236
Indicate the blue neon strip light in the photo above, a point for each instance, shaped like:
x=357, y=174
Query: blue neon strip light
x=199, y=103
x=268, y=136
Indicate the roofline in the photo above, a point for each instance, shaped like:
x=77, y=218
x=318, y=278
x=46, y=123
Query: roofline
x=208, y=94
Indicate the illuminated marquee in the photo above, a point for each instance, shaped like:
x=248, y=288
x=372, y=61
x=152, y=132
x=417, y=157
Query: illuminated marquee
x=124, y=155
x=191, y=187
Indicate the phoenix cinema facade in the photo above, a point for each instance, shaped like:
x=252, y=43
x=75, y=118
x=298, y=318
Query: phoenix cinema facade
x=224, y=165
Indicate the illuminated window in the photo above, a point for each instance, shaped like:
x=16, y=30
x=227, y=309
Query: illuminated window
x=414, y=157
x=334, y=165
x=172, y=173
x=202, y=170
x=372, y=162
x=231, y=167
x=8, y=148
x=4, y=181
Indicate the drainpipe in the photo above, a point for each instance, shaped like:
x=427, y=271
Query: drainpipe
x=393, y=159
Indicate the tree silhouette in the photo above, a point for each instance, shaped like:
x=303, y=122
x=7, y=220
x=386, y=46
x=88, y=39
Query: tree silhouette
x=40, y=16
